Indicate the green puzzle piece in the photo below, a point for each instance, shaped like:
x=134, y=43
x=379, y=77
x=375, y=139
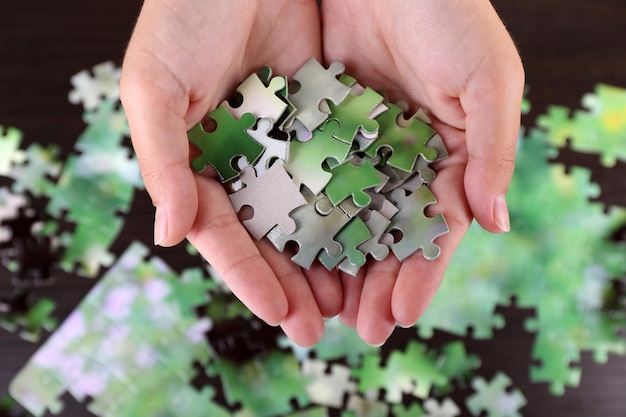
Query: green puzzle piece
x=600, y=127
x=493, y=399
x=353, y=114
x=227, y=141
x=351, y=236
x=407, y=139
x=306, y=158
x=9, y=149
x=349, y=179
x=264, y=387
x=412, y=371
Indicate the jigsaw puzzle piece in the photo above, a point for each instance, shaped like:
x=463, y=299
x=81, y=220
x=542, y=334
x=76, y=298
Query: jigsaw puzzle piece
x=351, y=178
x=418, y=230
x=597, y=128
x=10, y=153
x=365, y=406
x=11, y=205
x=353, y=114
x=327, y=388
x=137, y=324
x=272, y=196
x=314, y=232
x=456, y=364
x=274, y=148
x=377, y=225
x=555, y=367
x=305, y=164
x=259, y=99
x=316, y=84
x=405, y=142
x=263, y=387
x=412, y=371
x=38, y=390
x=90, y=89
x=37, y=172
x=411, y=410
x=341, y=341
x=494, y=398
x=447, y=408
x=349, y=237
x=227, y=142
x=31, y=319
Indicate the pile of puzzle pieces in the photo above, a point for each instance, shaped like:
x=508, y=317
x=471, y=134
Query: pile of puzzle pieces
x=328, y=164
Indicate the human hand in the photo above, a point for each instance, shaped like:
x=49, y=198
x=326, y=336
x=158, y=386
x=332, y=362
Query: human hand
x=182, y=60
x=455, y=60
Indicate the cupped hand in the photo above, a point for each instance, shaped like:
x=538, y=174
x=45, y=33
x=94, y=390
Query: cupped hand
x=455, y=60
x=183, y=59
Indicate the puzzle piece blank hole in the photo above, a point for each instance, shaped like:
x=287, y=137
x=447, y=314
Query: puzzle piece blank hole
x=246, y=213
x=294, y=87
x=397, y=235
x=235, y=101
x=208, y=125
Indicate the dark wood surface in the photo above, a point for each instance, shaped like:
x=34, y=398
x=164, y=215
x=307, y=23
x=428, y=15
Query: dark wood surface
x=567, y=46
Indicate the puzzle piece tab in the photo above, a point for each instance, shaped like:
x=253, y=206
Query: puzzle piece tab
x=229, y=140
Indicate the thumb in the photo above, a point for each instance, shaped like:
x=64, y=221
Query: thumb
x=159, y=135
x=492, y=106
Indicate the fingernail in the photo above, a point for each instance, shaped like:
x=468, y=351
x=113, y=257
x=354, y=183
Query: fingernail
x=501, y=214
x=160, y=225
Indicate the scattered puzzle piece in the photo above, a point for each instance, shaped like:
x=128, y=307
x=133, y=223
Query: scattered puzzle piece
x=328, y=388
x=494, y=399
x=447, y=408
x=598, y=128
x=90, y=90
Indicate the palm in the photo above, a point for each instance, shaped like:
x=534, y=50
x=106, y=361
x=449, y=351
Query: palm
x=436, y=55
x=183, y=59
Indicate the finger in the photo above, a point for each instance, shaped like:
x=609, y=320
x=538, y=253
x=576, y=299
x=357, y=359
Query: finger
x=220, y=237
x=303, y=323
x=375, y=321
x=351, y=288
x=159, y=136
x=492, y=102
x=419, y=278
x=326, y=288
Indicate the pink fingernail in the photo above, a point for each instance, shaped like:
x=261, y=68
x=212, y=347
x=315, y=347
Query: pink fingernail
x=501, y=214
x=160, y=226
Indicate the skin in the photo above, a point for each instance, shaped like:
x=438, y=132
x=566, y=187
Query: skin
x=452, y=58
